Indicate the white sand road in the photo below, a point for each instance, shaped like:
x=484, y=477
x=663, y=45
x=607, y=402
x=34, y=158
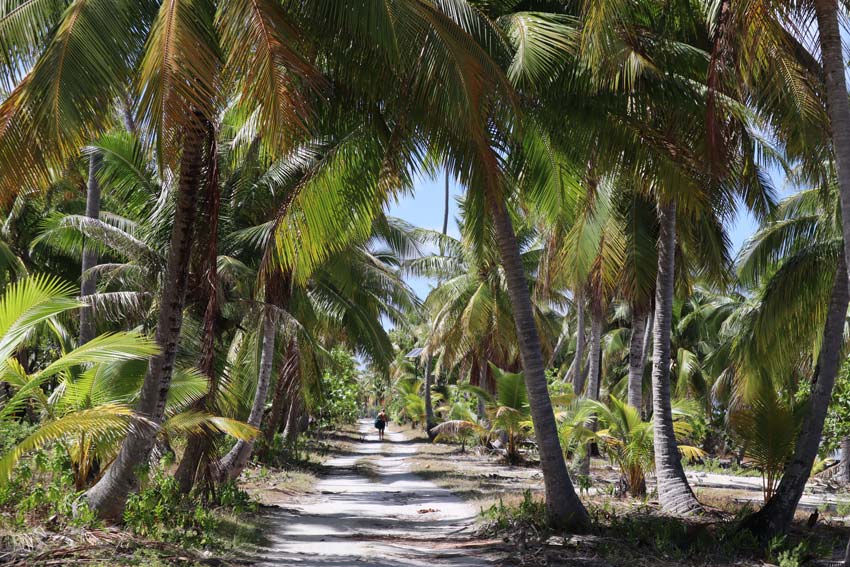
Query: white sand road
x=392, y=519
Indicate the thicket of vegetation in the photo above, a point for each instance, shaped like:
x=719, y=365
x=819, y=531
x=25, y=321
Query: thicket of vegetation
x=215, y=175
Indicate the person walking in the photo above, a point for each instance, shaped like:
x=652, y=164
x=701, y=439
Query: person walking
x=381, y=424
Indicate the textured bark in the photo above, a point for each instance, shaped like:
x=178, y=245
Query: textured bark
x=429, y=407
x=88, y=284
x=844, y=470
x=287, y=375
x=636, y=360
x=593, y=362
x=776, y=516
x=446, y=205
x=647, y=349
x=109, y=495
x=578, y=360
x=234, y=462
x=199, y=447
x=674, y=492
x=563, y=506
x=827, y=13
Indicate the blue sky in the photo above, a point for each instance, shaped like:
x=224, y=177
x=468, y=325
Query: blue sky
x=424, y=208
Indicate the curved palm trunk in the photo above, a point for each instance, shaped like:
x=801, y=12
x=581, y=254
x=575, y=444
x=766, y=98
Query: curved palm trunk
x=563, y=506
x=234, y=462
x=636, y=359
x=89, y=281
x=674, y=492
x=109, y=495
x=578, y=360
x=776, y=516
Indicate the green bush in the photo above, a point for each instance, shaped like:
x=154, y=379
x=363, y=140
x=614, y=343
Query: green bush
x=159, y=511
x=529, y=515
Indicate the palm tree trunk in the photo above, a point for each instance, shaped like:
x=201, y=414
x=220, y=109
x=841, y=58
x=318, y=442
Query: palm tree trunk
x=636, y=359
x=844, y=471
x=429, y=407
x=594, y=370
x=674, y=492
x=289, y=372
x=234, y=462
x=836, y=98
x=199, y=447
x=647, y=349
x=89, y=281
x=563, y=506
x=446, y=205
x=578, y=360
x=775, y=517
x=108, y=496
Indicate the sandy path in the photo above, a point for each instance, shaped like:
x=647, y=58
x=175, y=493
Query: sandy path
x=392, y=519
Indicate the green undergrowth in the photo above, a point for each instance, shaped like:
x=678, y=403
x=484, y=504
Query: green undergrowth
x=640, y=535
x=40, y=508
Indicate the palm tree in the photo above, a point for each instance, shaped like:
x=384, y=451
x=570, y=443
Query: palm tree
x=173, y=50
x=804, y=235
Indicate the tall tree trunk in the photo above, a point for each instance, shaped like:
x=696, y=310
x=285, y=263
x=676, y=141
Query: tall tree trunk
x=836, y=102
x=234, y=462
x=199, y=447
x=563, y=506
x=563, y=339
x=594, y=368
x=108, y=496
x=844, y=470
x=429, y=407
x=293, y=419
x=288, y=373
x=775, y=517
x=636, y=360
x=446, y=206
x=578, y=360
x=88, y=284
x=674, y=492
x=647, y=349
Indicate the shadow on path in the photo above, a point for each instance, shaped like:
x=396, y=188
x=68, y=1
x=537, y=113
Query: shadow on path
x=391, y=519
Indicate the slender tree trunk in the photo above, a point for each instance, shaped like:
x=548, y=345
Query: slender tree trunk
x=636, y=360
x=563, y=339
x=647, y=350
x=199, y=447
x=446, y=206
x=429, y=407
x=293, y=419
x=776, y=516
x=578, y=360
x=108, y=496
x=594, y=370
x=234, y=462
x=844, y=471
x=563, y=506
x=289, y=372
x=482, y=383
x=674, y=492
x=834, y=67
x=89, y=281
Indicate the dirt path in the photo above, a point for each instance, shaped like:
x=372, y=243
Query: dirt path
x=375, y=514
